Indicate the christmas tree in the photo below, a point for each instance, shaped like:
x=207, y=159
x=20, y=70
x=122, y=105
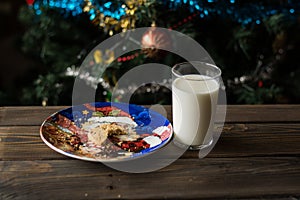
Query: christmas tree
x=254, y=43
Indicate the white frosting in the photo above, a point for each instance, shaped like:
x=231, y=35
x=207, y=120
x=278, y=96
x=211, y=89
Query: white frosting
x=152, y=140
x=125, y=120
x=160, y=130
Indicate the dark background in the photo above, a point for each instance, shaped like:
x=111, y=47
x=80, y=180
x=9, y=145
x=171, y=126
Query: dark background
x=28, y=79
x=15, y=66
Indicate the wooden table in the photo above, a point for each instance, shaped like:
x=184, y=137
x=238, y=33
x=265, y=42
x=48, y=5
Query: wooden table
x=257, y=156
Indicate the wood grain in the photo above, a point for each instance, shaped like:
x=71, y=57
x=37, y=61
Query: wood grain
x=237, y=140
x=19, y=116
x=206, y=178
x=35, y=115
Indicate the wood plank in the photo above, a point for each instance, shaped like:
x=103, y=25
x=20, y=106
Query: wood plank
x=31, y=115
x=24, y=143
x=206, y=178
x=10, y=116
x=237, y=140
x=263, y=113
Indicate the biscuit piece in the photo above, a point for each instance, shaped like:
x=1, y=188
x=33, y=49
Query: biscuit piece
x=100, y=133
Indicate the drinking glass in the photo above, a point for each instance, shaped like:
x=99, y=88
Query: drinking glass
x=195, y=89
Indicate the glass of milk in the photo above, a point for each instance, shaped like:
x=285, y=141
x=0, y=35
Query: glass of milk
x=195, y=90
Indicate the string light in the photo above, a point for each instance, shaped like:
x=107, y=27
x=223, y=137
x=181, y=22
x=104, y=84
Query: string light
x=128, y=58
x=185, y=20
x=243, y=14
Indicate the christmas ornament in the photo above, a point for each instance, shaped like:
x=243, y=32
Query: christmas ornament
x=104, y=58
x=98, y=56
x=154, y=40
x=30, y=2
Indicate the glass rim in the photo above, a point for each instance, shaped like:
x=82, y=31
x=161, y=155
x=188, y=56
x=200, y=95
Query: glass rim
x=192, y=63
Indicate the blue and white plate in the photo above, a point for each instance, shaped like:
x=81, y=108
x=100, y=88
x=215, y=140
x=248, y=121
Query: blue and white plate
x=106, y=132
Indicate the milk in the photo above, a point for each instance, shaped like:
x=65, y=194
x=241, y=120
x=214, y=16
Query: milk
x=194, y=104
